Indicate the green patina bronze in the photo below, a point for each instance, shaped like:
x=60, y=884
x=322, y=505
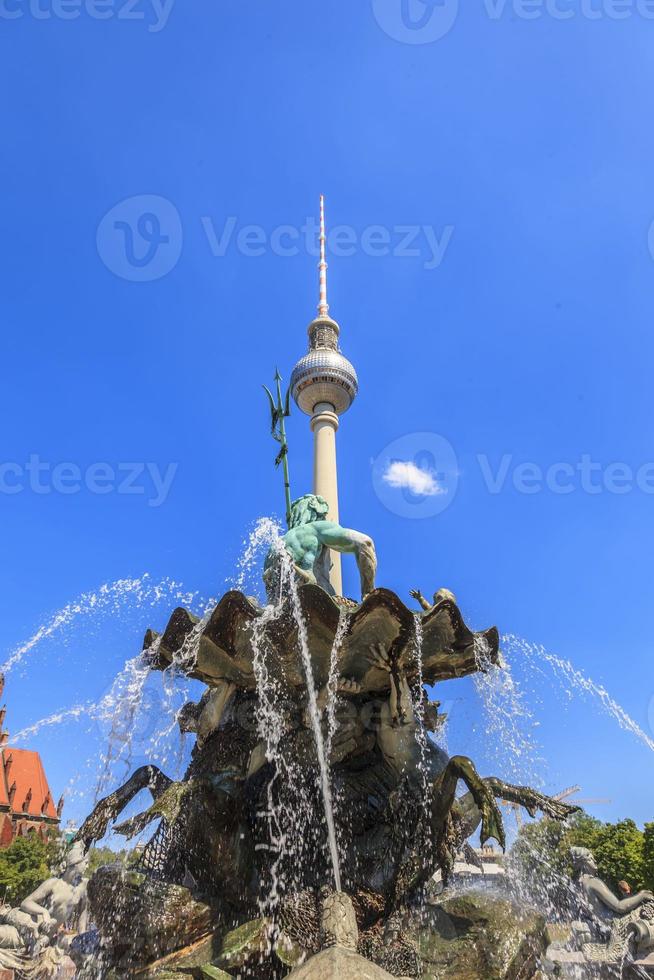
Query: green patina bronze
x=310, y=538
x=280, y=410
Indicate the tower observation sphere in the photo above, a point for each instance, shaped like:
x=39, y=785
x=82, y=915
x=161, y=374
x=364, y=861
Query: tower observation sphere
x=324, y=375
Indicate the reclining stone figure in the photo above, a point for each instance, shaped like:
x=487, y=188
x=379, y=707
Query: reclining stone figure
x=604, y=903
x=621, y=923
x=61, y=901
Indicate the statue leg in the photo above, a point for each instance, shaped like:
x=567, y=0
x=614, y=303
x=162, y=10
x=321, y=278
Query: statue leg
x=95, y=826
x=470, y=816
x=445, y=828
x=530, y=799
x=481, y=794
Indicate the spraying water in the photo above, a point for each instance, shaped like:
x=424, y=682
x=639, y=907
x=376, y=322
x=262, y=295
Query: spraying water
x=571, y=680
x=332, y=682
x=507, y=718
x=265, y=534
x=314, y=715
x=56, y=718
x=418, y=697
x=124, y=703
x=272, y=722
x=110, y=597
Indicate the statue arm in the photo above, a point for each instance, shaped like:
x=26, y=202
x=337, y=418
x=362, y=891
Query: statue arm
x=348, y=541
x=419, y=597
x=82, y=915
x=34, y=909
x=607, y=898
x=32, y=904
x=339, y=538
x=214, y=709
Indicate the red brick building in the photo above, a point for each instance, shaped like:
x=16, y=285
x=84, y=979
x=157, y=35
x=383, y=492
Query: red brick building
x=26, y=802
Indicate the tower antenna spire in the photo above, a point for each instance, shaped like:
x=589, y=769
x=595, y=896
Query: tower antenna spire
x=323, y=305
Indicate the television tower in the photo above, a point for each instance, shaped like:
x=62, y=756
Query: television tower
x=324, y=384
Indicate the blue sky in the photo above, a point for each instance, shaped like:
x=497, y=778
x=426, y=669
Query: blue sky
x=510, y=157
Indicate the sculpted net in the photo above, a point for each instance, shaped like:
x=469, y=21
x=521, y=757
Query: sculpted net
x=153, y=860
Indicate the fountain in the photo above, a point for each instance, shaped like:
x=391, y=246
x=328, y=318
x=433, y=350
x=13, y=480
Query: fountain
x=265, y=820
x=316, y=807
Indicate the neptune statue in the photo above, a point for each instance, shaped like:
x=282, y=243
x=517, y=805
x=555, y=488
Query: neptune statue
x=309, y=540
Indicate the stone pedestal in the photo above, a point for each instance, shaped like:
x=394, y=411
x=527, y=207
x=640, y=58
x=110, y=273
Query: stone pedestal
x=339, y=963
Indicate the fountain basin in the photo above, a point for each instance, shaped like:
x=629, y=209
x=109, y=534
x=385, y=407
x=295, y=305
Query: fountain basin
x=221, y=648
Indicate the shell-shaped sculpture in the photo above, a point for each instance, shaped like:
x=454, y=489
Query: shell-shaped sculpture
x=437, y=643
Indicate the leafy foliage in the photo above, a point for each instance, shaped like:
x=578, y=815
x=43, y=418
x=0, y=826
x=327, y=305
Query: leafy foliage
x=29, y=861
x=99, y=856
x=25, y=864
x=623, y=852
x=648, y=855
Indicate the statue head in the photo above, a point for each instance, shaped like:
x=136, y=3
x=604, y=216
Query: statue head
x=583, y=861
x=432, y=719
x=307, y=509
x=75, y=863
x=443, y=594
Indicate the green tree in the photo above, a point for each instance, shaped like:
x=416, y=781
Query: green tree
x=648, y=856
x=24, y=865
x=619, y=852
x=539, y=848
x=98, y=856
x=622, y=850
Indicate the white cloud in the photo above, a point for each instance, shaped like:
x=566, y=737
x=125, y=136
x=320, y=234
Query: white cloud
x=407, y=476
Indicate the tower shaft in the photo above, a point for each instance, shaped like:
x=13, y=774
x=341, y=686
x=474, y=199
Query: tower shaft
x=324, y=424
